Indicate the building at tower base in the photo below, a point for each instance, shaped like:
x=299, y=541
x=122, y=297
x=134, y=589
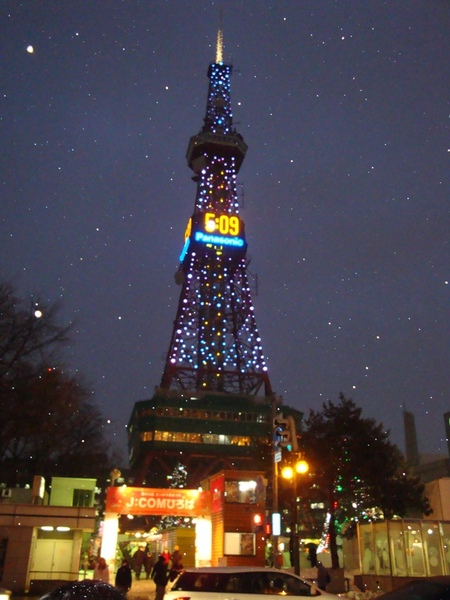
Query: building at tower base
x=206, y=431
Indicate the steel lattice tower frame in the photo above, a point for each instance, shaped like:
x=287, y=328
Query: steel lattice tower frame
x=214, y=407
x=215, y=344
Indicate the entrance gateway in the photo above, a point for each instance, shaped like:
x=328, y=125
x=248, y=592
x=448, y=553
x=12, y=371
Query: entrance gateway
x=223, y=511
x=157, y=502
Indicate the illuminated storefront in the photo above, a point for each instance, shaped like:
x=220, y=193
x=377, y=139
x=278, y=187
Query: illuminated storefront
x=41, y=536
x=404, y=548
x=224, y=511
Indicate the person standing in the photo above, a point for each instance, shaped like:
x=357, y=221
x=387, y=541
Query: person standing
x=138, y=561
x=312, y=554
x=148, y=564
x=176, y=556
x=166, y=556
x=101, y=570
x=159, y=576
x=323, y=577
x=177, y=565
x=124, y=578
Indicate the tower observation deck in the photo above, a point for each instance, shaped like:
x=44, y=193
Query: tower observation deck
x=213, y=407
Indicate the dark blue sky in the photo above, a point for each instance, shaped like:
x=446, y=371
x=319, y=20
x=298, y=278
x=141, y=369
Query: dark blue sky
x=345, y=188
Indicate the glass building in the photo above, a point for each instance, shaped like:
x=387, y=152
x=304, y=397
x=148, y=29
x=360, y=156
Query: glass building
x=405, y=548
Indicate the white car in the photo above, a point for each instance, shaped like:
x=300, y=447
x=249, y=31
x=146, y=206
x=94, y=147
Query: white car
x=240, y=583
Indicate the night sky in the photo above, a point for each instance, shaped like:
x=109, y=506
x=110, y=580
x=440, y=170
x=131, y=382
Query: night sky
x=344, y=190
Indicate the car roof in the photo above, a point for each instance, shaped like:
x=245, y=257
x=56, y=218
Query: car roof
x=228, y=569
x=232, y=569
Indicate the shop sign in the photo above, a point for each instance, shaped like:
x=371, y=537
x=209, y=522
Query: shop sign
x=153, y=501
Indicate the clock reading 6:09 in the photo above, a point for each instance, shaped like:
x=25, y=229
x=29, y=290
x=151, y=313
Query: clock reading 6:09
x=224, y=224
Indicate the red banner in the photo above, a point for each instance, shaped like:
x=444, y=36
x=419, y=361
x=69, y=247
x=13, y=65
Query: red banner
x=150, y=501
x=217, y=489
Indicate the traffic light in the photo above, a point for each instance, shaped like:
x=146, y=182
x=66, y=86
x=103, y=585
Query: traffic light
x=257, y=522
x=285, y=433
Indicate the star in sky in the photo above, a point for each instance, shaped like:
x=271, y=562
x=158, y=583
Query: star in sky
x=344, y=189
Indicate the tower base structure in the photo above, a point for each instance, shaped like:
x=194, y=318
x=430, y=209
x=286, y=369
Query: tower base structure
x=205, y=431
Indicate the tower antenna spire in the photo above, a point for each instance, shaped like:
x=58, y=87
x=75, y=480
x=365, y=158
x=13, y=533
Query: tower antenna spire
x=219, y=48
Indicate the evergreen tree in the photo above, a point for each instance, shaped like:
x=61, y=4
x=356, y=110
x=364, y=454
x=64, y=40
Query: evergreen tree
x=357, y=471
x=178, y=479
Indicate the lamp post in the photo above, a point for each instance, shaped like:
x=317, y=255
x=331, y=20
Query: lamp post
x=300, y=468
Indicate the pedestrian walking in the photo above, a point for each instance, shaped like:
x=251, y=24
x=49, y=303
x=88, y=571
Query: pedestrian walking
x=159, y=576
x=148, y=564
x=124, y=578
x=138, y=561
x=101, y=570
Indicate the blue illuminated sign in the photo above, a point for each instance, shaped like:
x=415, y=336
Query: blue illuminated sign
x=219, y=240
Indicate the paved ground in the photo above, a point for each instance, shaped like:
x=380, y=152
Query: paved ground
x=142, y=589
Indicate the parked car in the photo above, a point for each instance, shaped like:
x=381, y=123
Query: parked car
x=240, y=583
x=431, y=588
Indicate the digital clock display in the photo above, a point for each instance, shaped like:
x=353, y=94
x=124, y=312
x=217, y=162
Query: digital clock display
x=212, y=229
x=223, y=224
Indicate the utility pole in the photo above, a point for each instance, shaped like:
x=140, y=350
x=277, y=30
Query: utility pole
x=276, y=457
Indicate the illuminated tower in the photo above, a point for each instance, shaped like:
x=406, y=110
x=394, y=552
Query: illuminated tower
x=215, y=344
x=214, y=402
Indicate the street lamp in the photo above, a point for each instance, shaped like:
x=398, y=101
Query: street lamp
x=300, y=468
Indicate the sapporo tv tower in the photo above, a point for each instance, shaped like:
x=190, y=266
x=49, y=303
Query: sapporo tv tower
x=215, y=344
x=213, y=409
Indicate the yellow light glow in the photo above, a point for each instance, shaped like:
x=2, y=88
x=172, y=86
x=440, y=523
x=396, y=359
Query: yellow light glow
x=301, y=467
x=210, y=224
x=287, y=472
x=219, y=46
